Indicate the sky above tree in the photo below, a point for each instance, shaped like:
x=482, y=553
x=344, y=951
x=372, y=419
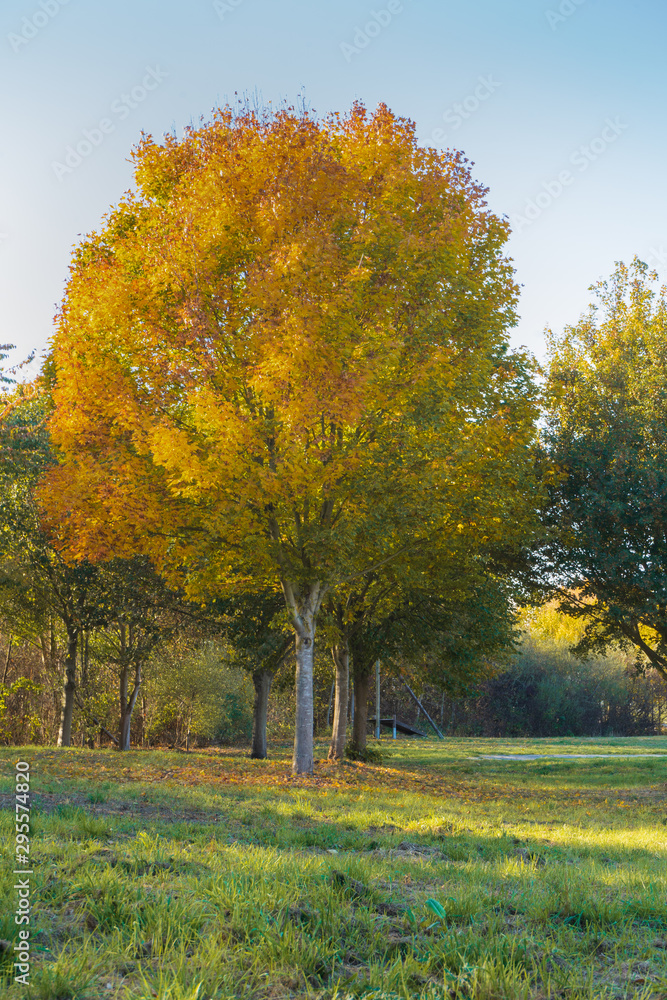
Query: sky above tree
x=559, y=103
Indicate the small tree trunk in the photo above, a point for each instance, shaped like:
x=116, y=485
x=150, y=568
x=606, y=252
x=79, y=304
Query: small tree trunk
x=143, y=720
x=125, y=717
x=341, y=658
x=361, y=693
x=262, y=680
x=67, y=707
x=127, y=704
x=7, y=660
x=125, y=730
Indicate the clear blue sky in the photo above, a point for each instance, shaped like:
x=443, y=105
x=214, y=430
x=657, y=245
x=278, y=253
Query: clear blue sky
x=559, y=103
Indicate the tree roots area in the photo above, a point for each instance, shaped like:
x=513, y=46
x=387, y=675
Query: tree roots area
x=436, y=872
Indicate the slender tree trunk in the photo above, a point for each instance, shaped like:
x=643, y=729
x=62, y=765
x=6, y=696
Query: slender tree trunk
x=331, y=696
x=67, y=707
x=262, y=680
x=127, y=703
x=125, y=718
x=341, y=658
x=89, y=732
x=362, y=685
x=7, y=660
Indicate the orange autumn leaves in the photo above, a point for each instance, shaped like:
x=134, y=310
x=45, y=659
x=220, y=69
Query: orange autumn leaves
x=284, y=353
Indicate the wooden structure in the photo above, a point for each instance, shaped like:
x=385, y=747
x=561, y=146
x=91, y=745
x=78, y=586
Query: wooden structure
x=401, y=727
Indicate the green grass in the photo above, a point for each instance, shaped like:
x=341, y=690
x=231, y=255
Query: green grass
x=435, y=874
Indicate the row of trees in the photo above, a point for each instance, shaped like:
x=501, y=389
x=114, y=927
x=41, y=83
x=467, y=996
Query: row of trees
x=280, y=400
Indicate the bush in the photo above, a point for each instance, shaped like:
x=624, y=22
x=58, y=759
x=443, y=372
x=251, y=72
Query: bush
x=198, y=694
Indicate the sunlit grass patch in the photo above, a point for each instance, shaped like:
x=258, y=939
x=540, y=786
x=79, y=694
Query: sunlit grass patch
x=430, y=875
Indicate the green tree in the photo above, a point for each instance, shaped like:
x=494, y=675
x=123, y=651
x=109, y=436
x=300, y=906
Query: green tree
x=137, y=615
x=41, y=596
x=259, y=637
x=45, y=599
x=445, y=630
x=607, y=435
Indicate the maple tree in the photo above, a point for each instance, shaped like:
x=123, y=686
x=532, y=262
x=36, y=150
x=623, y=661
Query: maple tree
x=606, y=433
x=282, y=361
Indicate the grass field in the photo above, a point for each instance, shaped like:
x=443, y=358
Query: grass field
x=434, y=874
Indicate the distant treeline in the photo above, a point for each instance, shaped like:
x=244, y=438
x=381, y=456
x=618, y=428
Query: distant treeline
x=199, y=698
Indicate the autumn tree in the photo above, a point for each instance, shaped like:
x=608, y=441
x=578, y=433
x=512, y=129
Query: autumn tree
x=607, y=435
x=282, y=360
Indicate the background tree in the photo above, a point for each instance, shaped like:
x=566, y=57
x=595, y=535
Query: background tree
x=137, y=614
x=195, y=693
x=449, y=632
x=285, y=351
x=607, y=434
x=259, y=637
x=40, y=594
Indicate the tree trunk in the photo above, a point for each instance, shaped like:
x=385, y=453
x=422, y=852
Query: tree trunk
x=125, y=731
x=127, y=704
x=303, y=761
x=341, y=658
x=143, y=720
x=7, y=660
x=67, y=707
x=262, y=680
x=89, y=732
x=331, y=696
x=362, y=685
x=304, y=609
x=125, y=717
